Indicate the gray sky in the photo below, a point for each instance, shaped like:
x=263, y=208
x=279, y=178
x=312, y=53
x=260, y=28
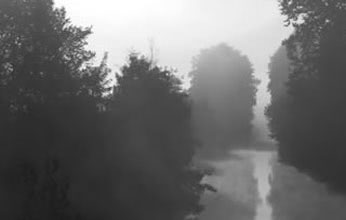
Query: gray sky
x=180, y=28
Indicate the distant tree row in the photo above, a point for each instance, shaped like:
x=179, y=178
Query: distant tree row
x=223, y=92
x=72, y=147
x=309, y=120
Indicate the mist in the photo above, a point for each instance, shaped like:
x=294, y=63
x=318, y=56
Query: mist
x=177, y=110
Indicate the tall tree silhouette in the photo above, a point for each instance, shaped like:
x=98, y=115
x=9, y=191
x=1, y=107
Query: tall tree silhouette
x=156, y=169
x=223, y=93
x=279, y=69
x=49, y=98
x=313, y=137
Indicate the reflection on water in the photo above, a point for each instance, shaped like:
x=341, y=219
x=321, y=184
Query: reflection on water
x=243, y=186
x=295, y=196
x=253, y=185
x=263, y=174
x=236, y=189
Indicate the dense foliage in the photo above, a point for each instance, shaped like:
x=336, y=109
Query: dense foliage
x=48, y=101
x=70, y=149
x=279, y=71
x=279, y=68
x=223, y=93
x=311, y=133
x=153, y=113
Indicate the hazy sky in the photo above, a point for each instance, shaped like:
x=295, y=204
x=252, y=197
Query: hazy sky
x=180, y=28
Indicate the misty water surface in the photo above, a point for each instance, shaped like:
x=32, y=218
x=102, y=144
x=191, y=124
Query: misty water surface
x=253, y=185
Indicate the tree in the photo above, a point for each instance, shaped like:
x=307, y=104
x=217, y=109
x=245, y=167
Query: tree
x=49, y=97
x=223, y=93
x=312, y=137
x=279, y=71
x=155, y=168
x=278, y=74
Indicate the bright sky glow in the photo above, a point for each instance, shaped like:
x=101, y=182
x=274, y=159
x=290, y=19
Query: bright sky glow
x=179, y=28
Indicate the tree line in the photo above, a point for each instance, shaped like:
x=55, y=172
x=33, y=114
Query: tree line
x=307, y=113
x=75, y=147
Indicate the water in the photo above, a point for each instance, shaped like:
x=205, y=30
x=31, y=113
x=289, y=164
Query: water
x=243, y=184
x=253, y=185
x=263, y=174
x=236, y=189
